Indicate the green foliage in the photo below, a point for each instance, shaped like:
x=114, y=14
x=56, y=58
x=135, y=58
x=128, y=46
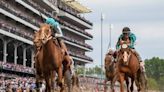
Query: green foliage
x=97, y=70
x=80, y=70
x=89, y=71
x=152, y=84
x=161, y=83
x=155, y=72
x=154, y=67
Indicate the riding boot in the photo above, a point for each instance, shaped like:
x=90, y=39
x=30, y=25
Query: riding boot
x=63, y=46
x=140, y=60
x=59, y=41
x=72, y=68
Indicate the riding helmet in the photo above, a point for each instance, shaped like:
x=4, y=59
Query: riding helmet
x=126, y=30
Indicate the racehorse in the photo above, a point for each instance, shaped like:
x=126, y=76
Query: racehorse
x=111, y=71
x=50, y=58
x=128, y=65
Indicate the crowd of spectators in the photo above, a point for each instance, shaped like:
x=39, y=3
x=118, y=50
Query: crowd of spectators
x=16, y=30
x=36, y=6
x=13, y=83
x=16, y=67
x=18, y=13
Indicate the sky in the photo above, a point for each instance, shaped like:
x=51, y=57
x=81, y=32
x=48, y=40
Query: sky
x=145, y=18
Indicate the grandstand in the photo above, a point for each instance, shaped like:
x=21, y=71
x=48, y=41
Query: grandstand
x=20, y=18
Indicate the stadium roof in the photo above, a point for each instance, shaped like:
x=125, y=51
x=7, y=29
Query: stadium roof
x=77, y=6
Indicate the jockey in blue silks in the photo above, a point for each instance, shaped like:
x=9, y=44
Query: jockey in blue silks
x=132, y=38
x=57, y=32
x=127, y=34
x=55, y=25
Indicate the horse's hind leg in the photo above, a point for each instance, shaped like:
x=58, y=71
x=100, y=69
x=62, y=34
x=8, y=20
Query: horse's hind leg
x=38, y=81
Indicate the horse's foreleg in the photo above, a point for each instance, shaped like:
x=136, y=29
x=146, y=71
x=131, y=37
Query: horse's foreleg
x=127, y=83
x=52, y=80
x=48, y=84
x=121, y=82
x=113, y=81
x=131, y=87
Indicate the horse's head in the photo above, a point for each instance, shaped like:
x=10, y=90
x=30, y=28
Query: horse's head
x=36, y=40
x=45, y=33
x=124, y=53
x=109, y=59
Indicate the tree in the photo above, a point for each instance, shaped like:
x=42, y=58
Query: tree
x=97, y=70
x=155, y=72
x=154, y=67
x=80, y=70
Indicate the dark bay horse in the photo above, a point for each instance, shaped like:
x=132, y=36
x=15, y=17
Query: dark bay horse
x=111, y=71
x=128, y=65
x=50, y=58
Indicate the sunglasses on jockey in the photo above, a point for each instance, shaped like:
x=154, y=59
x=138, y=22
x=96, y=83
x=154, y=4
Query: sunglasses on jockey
x=126, y=33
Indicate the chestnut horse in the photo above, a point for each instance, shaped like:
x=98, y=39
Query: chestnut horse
x=111, y=71
x=50, y=58
x=128, y=65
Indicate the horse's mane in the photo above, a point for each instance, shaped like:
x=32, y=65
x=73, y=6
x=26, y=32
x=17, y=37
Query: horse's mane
x=44, y=25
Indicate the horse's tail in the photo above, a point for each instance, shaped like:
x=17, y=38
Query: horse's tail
x=142, y=80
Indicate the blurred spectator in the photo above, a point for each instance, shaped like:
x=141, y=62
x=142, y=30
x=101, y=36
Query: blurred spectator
x=14, y=67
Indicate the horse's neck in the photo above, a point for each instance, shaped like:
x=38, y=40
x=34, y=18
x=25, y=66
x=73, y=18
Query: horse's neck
x=133, y=56
x=111, y=65
x=49, y=44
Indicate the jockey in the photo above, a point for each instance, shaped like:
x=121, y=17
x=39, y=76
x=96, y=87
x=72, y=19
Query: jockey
x=111, y=51
x=57, y=32
x=55, y=26
x=127, y=35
